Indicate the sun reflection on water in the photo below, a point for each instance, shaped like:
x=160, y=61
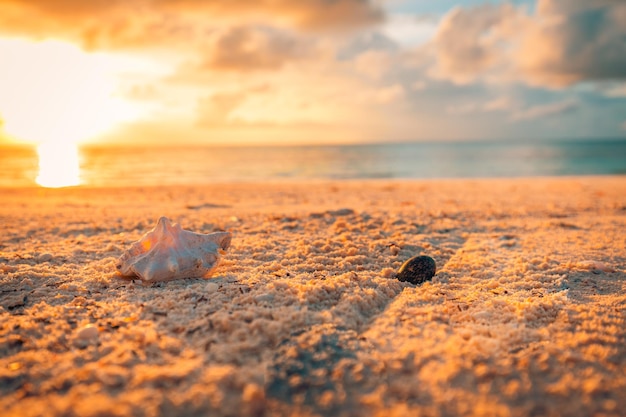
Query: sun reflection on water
x=58, y=165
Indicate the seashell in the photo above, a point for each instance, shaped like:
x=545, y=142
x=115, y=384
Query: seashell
x=168, y=252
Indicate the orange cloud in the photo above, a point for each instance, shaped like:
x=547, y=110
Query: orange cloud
x=141, y=92
x=306, y=14
x=216, y=110
x=135, y=23
x=253, y=48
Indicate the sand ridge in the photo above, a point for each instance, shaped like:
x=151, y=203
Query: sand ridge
x=525, y=316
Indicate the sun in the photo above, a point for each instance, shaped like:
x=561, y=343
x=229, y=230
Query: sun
x=57, y=96
x=58, y=165
x=53, y=92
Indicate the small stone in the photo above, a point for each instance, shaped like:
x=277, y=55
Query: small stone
x=44, y=257
x=87, y=333
x=417, y=270
x=341, y=212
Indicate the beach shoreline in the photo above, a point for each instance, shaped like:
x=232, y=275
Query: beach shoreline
x=525, y=316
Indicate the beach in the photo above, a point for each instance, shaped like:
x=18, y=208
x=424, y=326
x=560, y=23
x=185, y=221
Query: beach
x=304, y=316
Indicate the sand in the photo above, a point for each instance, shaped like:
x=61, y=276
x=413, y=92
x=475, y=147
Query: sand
x=525, y=316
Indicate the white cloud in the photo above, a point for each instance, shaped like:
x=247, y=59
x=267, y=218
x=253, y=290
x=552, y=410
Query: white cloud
x=408, y=30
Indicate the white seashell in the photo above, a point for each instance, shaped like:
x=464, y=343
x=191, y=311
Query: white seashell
x=168, y=252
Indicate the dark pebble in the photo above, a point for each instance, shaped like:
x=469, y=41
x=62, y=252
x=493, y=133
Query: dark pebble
x=417, y=270
x=341, y=212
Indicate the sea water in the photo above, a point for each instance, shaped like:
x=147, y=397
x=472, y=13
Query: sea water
x=196, y=164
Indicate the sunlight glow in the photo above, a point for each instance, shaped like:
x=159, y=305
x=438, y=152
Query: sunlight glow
x=58, y=165
x=53, y=92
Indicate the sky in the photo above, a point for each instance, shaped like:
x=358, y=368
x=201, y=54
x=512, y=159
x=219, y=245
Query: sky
x=311, y=71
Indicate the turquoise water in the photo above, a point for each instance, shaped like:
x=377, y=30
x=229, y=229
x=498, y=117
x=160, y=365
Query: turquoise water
x=122, y=166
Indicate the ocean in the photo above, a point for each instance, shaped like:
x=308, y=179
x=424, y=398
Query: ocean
x=167, y=165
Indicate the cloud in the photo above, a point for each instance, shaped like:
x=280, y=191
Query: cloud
x=615, y=91
x=559, y=44
x=498, y=104
x=390, y=94
x=306, y=68
x=141, y=92
x=305, y=14
x=94, y=24
x=546, y=110
x=408, y=29
x=217, y=109
x=100, y=24
x=370, y=41
x=575, y=41
x=253, y=48
x=374, y=64
x=468, y=41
